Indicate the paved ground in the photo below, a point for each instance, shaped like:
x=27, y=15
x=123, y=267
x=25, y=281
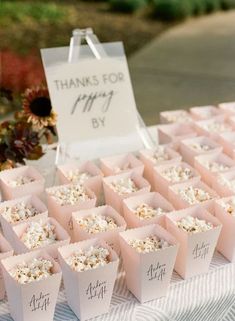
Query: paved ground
x=191, y=64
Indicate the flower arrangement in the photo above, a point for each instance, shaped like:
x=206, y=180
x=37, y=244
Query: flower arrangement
x=22, y=137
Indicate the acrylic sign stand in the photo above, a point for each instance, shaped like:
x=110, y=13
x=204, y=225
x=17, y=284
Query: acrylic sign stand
x=145, y=140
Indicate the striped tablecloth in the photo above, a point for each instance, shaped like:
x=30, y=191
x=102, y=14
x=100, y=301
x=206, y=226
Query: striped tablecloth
x=207, y=297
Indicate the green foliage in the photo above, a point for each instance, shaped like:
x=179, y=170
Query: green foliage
x=227, y=4
x=212, y=5
x=127, y=5
x=198, y=7
x=42, y=12
x=169, y=10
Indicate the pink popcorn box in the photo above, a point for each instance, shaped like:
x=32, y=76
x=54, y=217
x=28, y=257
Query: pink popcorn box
x=196, y=249
x=221, y=189
x=148, y=275
x=88, y=292
x=35, y=300
x=120, y=164
x=228, y=108
x=63, y=213
x=188, y=152
x=166, y=115
x=208, y=175
x=154, y=200
x=174, y=133
x=94, y=182
x=149, y=163
x=5, y=251
x=161, y=184
x=206, y=112
x=179, y=203
x=115, y=199
x=226, y=243
x=29, y=199
x=227, y=140
x=110, y=236
x=201, y=127
x=61, y=235
x=33, y=188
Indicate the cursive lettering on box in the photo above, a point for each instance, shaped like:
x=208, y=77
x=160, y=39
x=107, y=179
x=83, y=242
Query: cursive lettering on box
x=200, y=251
x=40, y=302
x=96, y=290
x=87, y=102
x=157, y=271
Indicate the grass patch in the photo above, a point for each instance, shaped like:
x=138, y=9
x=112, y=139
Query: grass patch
x=18, y=11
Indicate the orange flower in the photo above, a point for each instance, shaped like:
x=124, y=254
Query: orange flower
x=37, y=107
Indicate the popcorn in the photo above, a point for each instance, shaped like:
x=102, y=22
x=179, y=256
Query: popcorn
x=229, y=206
x=159, y=155
x=177, y=173
x=148, y=244
x=177, y=117
x=192, y=224
x=21, y=180
x=194, y=195
x=19, y=212
x=216, y=127
x=145, y=211
x=39, y=234
x=97, y=223
x=124, y=186
x=215, y=166
x=200, y=147
x=91, y=258
x=70, y=194
x=124, y=167
x=208, y=112
x=34, y=270
x=75, y=176
x=230, y=183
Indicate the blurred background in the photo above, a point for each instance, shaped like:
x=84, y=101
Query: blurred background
x=180, y=52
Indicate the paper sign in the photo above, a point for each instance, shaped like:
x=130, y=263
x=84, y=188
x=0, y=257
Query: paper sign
x=93, y=98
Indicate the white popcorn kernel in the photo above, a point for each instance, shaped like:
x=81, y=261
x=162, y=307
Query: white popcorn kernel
x=124, y=186
x=18, y=212
x=91, y=258
x=230, y=183
x=217, y=127
x=229, y=206
x=34, y=270
x=201, y=147
x=215, y=166
x=124, y=167
x=69, y=195
x=177, y=173
x=97, y=223
x=75, y=176
x=194, y=195
x=145, y=211
x=159, y=155
x=21, y=180
x=192, y=224
x=39, y=234
x=177, y=117
x=148, y=244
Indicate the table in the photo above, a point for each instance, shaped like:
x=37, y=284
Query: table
x=207, y=297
